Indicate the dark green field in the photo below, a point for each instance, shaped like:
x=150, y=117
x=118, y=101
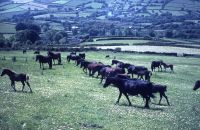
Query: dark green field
x=66, y=98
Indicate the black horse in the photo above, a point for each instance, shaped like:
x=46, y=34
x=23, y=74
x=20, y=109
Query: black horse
x=82, y=55
x=23, y=78
x=44, y=59
x=197, y=85
x=135, y=69
x=156, y=64
x=73, y=57
x=161, y=89
x=131, y=87
x=55, y=56
x=171, y=66
x=78, y=62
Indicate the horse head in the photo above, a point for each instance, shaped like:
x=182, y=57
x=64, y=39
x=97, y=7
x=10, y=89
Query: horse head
x=107, y=82
x=4, y=71
x=197, y=85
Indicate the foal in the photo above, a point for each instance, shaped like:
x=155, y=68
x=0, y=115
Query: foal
x=168, y=66
x=16, y=77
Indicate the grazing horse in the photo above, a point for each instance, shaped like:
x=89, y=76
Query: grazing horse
x=78, y=62
x=131, y=87
x=156, y=64
x=147, y=74
x=82, y=55
x=73, y=57
x=110, y=72
x=157, y=88
x=84, y=65
x=44, y=59
x=37, y=52
x=55, y=56
x=23, y=78
x=197, y=85
x=135, y=69
x=168, y=66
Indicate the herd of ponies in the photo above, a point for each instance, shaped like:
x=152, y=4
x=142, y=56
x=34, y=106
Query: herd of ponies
x=117, y=74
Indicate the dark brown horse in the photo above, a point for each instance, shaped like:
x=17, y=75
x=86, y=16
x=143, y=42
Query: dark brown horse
x=37, y=52
x=110, y=72
x=23, y=78
x=197, y=85
x=73, y=57
x=161, y=89
x=44, y=59
x=131, y=87
x=55, y=56
x=135, y=69
x=156, y=64
x=144, y=74
x=82, y=55
x=168, y=66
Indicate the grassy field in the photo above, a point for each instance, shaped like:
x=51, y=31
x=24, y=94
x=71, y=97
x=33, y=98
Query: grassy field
x=66, y=98
x=130, y=42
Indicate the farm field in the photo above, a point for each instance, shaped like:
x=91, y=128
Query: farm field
x=159, y=49
x=66, y=98
x=7, y=28
x=104, y=42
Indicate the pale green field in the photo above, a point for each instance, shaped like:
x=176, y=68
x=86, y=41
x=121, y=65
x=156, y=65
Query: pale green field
x=66, y=98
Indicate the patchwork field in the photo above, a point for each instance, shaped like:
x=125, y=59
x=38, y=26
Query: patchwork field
x=66, y=98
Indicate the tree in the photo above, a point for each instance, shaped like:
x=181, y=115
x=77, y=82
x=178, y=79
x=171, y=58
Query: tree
x=34, y=27
x=20, y=26
x=169, y=34
x=25, y=35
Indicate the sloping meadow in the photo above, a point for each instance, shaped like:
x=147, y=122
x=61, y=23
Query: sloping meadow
x=66, y=98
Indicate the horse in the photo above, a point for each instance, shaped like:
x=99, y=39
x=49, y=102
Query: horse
x=197, y=85
x=156, y=64
x=147, y=74
x=171, y=66
x=23, y=78
x=55, y=56
x=73, y=53
x=110, y=72
x=94, y=67
x=116, y=62
x=161, y=89
x=131, y=87
x=78, y=62
x=82, y=55
x=24, y=51
x=135, y=69
x=84, y=65
x=37, y=52
x=107, y=56
x=44, y=59
x=73, y=57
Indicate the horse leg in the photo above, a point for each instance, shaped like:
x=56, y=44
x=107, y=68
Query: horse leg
x=161, y=94
x=132, y=75
x=147, y=102
x=101, y=79
x=166, y=98
x=126, y=95
x=23, y=85
x=29, y=86
x=120, y=94
x=13, y=85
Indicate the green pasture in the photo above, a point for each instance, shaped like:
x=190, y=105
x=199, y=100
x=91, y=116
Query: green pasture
x=107, y=42
x=7, y=28
x=66, y=98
